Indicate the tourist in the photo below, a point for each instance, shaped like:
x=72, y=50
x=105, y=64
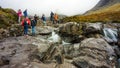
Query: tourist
x=25, y=13
x=25, y=23
x=56, y=18
x=35, y=18
x=19, y=13
x=52, y=17
x=44, y=19
x=33, y=24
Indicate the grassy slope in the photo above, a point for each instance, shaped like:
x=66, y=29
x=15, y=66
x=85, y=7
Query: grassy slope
x=111, y=13
x=7, y=17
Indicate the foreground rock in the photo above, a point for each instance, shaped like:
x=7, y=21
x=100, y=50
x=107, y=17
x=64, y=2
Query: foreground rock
x=31, y=52
x=95, y=53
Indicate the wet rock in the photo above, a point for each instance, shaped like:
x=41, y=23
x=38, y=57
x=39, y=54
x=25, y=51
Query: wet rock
x=110, y=35
x=118, y=63
x=70, y=32
x=73, y=32
x=44, y=30
x=4, y=60
x=55, y=38
x=92, y=29
x=94, y=53
x=53, y=53
x=71, y=28
x=117, y=51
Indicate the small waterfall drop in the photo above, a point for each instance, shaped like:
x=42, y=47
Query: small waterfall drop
x=54, y=38
x=110, y=34
x=65, y=43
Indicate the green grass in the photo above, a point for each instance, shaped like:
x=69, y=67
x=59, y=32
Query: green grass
x=108, y=14
x=7, y=17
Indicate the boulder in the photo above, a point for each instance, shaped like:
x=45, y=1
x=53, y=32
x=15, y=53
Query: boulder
x=4, y=60
x=118, y=63
x=92, y=28
x=16, y=30
x=95, y=53
x=71, y=28
x=4, y=33
x=46, y=30
x=70, y=32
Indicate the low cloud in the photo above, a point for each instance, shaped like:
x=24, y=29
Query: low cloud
x=66, y=7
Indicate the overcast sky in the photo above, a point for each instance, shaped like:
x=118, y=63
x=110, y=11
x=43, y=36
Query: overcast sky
x=66, y=7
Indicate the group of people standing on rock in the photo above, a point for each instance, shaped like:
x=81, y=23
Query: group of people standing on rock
x=26, y=22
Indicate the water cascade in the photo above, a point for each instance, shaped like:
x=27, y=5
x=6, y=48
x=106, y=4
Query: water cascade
x=110, y=34
x=54, y=38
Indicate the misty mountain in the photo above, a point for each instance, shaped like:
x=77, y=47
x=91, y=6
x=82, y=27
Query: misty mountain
x=104, y=4
x=104, y=11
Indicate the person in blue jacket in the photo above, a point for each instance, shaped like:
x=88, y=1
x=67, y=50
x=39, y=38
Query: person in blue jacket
x=44, y=19
x=25, y=13
x=33, y=24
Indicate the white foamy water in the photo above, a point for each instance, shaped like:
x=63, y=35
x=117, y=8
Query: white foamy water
x=54, y=38
x=110, y=34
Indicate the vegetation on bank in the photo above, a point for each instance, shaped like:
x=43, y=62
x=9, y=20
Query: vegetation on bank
x=108, y=14
x=7, y=17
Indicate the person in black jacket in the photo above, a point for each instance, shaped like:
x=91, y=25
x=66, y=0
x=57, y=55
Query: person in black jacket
x=33, y=24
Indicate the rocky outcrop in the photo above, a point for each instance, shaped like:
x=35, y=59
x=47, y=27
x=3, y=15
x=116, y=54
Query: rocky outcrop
x=30, y=52
x=16, y=52
x=44, y=30
x=4, y=33
x=95, y=53
x=74, y=32
x=71, y=28
x=16, y=30
x=70, y=32
x=13, y=53
x=93, y=29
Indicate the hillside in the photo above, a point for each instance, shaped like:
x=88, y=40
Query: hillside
x=104, y=3
x=103, y=12
x=7, y=17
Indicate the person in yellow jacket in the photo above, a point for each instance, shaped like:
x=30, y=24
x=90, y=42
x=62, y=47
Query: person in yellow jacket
x=56, y=18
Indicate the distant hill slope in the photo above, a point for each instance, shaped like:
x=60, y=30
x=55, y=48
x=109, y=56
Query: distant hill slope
x=7, y=17
x=104, y=3
x=104, y=11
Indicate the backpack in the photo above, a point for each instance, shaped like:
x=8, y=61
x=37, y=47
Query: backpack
x=25, y=23
x=33, y=23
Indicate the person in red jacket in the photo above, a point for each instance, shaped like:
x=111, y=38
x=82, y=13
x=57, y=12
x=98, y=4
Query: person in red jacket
x=19, y=13
x=25, y=23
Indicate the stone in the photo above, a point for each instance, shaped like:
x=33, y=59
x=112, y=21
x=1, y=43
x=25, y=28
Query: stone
x=92, y=28
x=94, y=53
x=70, y=32
x=4, y=60
x=44, y=30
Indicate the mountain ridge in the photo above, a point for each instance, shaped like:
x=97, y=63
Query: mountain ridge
x=105, y=3
x=104, y=11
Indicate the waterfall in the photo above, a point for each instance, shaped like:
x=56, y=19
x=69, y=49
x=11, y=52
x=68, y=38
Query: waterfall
x=110, y=34
x=54, y=38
